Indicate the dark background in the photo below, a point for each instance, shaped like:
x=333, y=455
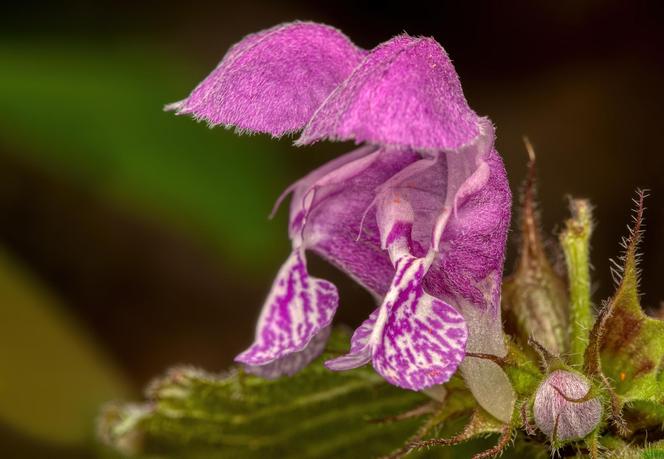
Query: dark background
x=145, y=235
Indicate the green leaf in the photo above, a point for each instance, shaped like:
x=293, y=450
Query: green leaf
x=316, y=413
x=632, y=344
x=53, y=376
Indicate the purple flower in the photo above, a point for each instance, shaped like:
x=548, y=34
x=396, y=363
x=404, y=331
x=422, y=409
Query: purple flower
x=418, y=214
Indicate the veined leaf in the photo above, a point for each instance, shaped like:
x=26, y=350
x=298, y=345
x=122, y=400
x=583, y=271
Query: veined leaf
x=315, y=414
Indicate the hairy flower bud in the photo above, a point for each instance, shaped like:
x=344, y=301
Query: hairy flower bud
x=559, y=410
x=535, y=298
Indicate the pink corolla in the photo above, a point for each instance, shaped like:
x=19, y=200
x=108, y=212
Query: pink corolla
x=418, y=214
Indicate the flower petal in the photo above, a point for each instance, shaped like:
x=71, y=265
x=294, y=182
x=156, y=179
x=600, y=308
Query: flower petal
x=292, y=363
x=418, y=340
x=360, y=352
x=405, y=93
x=274, y=80
x=310, y=192
x=297, y=309
x=473, y=241
x=341, y=225
x=423, y=342
x=468, y=275
x=329, y=167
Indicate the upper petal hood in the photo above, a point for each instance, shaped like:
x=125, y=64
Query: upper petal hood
x=405, y=93
x=274, y=80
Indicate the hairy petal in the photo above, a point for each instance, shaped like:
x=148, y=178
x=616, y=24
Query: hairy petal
x=418, y=340
x=414, y=340
x=473, y=242
x=297, y=310
x=274, y=80
x=405, y=93
x=341, y=224
x=468, y=275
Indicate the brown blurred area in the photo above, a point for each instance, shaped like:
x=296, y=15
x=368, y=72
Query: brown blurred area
x=583, y=80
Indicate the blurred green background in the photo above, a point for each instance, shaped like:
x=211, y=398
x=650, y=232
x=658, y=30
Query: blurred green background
x=131, y=239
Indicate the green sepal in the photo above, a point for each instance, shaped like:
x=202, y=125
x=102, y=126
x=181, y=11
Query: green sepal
x=522, y=371
x=445, y=426
x=627, y=346
x=534, y=297
x=478, y=425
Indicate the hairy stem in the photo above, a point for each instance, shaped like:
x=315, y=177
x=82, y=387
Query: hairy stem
x=575, y=241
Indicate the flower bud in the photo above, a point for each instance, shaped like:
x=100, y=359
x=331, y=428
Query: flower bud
x=535, y=298
x=558, y=413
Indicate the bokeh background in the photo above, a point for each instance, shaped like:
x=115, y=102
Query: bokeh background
x=132, y=240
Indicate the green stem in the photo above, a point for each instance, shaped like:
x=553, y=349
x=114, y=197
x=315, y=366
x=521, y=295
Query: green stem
x=575, y=241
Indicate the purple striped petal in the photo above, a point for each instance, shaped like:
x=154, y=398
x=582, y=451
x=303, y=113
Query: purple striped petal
x=292, y=363
x=297, y=310
x=415, y=340
x=274, y=80
x=418, y=341
x=423, y=340
x=360, y=351
x=405, y=93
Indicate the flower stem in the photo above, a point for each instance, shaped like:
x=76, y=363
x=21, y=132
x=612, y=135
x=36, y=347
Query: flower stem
x=575, y=241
